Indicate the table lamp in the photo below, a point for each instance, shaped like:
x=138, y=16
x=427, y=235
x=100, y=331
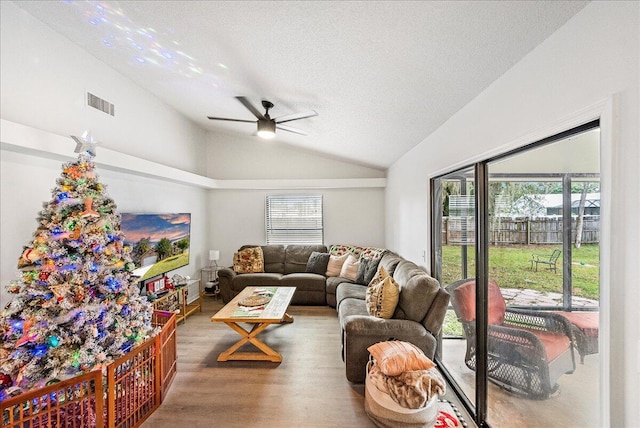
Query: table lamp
x=214, y=256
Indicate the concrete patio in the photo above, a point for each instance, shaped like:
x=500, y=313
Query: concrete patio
x=527, y=297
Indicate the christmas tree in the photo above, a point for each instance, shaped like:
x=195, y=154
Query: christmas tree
x=76, y=307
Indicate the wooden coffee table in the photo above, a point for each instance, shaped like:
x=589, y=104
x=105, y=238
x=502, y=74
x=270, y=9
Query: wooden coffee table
x=273, y=312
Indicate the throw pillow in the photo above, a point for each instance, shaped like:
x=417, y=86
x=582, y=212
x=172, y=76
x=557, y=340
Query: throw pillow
x=395, y=357
x=367, y=270
x=382, y=298
x=318, y=263
x=335, y=265
x=350, y=268
x=379, y=276
x=249, y=260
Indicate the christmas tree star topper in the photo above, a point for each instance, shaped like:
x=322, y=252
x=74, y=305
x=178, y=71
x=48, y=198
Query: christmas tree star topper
x=85, y=144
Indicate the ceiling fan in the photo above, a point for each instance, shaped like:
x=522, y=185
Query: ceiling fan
x=266, y=125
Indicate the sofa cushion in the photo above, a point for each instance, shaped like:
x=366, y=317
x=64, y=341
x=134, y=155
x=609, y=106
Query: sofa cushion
x=335, y=264
x=382, y=297
x=297, y=256
x=348, y=290
x=394, y=357
x=249, y=260
x=333, y=282
x=390, y=261
x=245, y=280
x=304, y=281
x=317, y=263
x=349, y=268
x=273, y=258
x=417, y=291
x=350, y=307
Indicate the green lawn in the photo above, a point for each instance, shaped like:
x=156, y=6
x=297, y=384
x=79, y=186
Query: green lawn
x=166, y=265
x=510, y=267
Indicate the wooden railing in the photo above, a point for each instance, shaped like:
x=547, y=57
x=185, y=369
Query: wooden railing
x=130, y=390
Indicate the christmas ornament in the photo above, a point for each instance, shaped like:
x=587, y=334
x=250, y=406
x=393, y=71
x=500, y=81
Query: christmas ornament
x=88, y=210
x=5, y=380
x=28, y=258
x=40, y=350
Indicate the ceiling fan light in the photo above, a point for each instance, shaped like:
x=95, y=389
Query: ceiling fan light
x=266, y=128
x=267, y=135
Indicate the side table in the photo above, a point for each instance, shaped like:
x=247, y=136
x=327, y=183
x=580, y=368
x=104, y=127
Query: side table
x=209, y=278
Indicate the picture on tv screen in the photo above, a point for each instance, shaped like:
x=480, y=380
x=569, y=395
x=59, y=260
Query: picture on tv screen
x=159, y=242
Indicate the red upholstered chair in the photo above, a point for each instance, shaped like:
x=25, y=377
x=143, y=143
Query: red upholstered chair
x=527, y=350
x=585, y=326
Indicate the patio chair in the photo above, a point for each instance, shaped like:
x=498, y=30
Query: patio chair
x=528, y=350
x=549, y=260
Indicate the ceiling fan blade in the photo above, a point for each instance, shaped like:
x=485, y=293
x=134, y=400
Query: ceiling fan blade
x=290, y=129
x=245, y=102
x=230, y=120
x=296, y=116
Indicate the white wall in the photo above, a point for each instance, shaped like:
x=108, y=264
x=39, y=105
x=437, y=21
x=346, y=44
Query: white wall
x=237, y=217
x=588, y=65
x=351, y=216
x=234, y=157
x=43, y=85
x=44, y=82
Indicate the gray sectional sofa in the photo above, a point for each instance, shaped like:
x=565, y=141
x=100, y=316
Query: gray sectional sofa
x=283, y=266
x=417, y=319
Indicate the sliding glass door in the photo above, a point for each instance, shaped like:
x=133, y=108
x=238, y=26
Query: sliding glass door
x=455, y=210
x=526, y=353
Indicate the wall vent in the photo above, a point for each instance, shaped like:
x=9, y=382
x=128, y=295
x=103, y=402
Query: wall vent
x=100, y=104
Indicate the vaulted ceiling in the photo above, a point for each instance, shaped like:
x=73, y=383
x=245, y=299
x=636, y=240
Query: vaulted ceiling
x=382, y=75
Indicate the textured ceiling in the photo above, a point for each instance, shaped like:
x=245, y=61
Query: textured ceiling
x=381, y=75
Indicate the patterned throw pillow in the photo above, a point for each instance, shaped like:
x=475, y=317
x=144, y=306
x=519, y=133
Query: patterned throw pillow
x=249, y=260
x=372, y=253
x=382, y=295
x=380, y=275
x=361, y=252
x=338, y=250
x=395, y=357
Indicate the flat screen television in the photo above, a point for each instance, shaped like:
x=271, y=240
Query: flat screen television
x=159, y=242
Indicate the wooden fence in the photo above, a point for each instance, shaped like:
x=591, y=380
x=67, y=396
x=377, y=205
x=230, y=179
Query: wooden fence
x=519, y=230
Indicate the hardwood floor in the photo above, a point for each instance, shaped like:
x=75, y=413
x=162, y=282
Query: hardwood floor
x=307, y=389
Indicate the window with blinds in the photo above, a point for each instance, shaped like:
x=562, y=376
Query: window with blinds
x=292, y=219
